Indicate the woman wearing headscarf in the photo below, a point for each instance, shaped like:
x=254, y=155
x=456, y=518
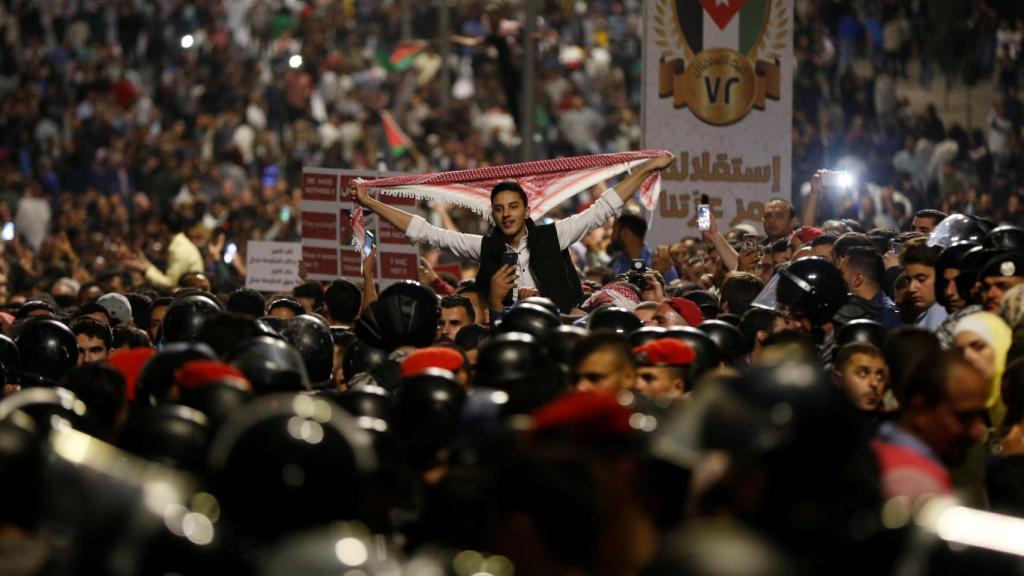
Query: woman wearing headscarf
x=984, y=340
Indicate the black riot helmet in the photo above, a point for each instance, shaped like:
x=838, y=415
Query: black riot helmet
x=531, y=319
x=22, y=469
x=427, y=409
x=368, y=401
x=813, y=287
x=290, y=461
x=861, y=330
x=48, y=406
x=10, y=360
x=311, y=337
x=271, y=365
x=541, y=301
x=557, y=348
x=951, y=258
x=708, y=355
x=405, y=314
x=49, y=351
x=615, y=319
x=185, y=316
x=361, y=357
x=959, y=228
x=732, y=346
x=217, y=400
x=646, y=334
x=171, y=434
x=1005, y=238
x=271, y=325
x=156, y=380
x=515, y=363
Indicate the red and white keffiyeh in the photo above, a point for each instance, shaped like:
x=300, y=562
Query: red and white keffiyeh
x=547, y=183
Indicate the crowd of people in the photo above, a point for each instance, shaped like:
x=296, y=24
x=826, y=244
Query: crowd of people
x=840, y=390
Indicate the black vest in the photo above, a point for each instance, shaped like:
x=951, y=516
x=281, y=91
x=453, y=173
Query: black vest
x=556, y=278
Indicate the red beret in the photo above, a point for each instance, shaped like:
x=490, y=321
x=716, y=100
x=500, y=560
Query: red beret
x=664, y=352
x=433, y=357
x=584, y=415
x=129, y=363
x=199, y=373
x=687, y=309
x=807, y=233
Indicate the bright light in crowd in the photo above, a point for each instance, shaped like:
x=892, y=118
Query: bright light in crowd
x=981, y=529
x=845, y=179
x=295, y=61
x=187, y=41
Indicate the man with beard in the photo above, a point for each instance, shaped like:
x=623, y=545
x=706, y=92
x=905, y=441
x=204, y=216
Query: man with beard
x=456, y=313
x=943, y=416
x=998, y=276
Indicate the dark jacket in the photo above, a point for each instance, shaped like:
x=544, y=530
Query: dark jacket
x=556, y=277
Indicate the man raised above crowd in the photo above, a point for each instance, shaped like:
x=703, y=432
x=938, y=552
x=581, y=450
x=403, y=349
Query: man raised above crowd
x=542, y=261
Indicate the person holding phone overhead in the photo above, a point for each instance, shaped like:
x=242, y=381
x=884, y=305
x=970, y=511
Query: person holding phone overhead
x=542, y=261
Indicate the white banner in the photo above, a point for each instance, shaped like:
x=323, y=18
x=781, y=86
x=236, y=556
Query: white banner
x=327, y=250
x=272, y=266
x=717, y=87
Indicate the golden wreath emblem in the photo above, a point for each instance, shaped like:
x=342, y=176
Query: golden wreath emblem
x=720, y=84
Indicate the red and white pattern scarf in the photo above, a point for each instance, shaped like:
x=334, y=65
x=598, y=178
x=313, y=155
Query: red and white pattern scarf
x=547, y=183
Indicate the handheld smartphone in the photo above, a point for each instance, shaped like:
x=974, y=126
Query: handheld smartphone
x=286, y=213
x=230, y=251
x=894, y=246
x=749, y=242
x=704, y=217
x=510, y=258
x=836, y=179
x=7, y=234
x=367, y=243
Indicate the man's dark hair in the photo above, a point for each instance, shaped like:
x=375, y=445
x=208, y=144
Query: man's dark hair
x=867, y=262
x=633, y=222
x=288, y=303
x=92, y=308
x=780, y=245
x=755, y=320
x=313, y=290
x=739, y=289
x=130, y=336
x=606, y=274
x=931, y=376
x=826, y=238
x=470, y=336
x=343, y=300
x=880, y=238
x=936, y=215
x=612, y=341
x=141, y=305
x=917, y=251
x=509, y=185
x=843, y=244
x=458, y=300
x=847, y=351
x=161, y=301
x=247, y=302
x=94, y=328
x=102, y=389
x=792, y=212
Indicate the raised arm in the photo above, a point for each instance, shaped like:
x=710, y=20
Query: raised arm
x=396, y=217
x=810, y=215
x=631, y=183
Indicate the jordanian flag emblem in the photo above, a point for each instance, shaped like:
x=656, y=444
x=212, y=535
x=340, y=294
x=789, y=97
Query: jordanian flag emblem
x=735, y=24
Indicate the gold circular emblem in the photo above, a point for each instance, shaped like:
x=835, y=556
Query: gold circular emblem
x=720, y=86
